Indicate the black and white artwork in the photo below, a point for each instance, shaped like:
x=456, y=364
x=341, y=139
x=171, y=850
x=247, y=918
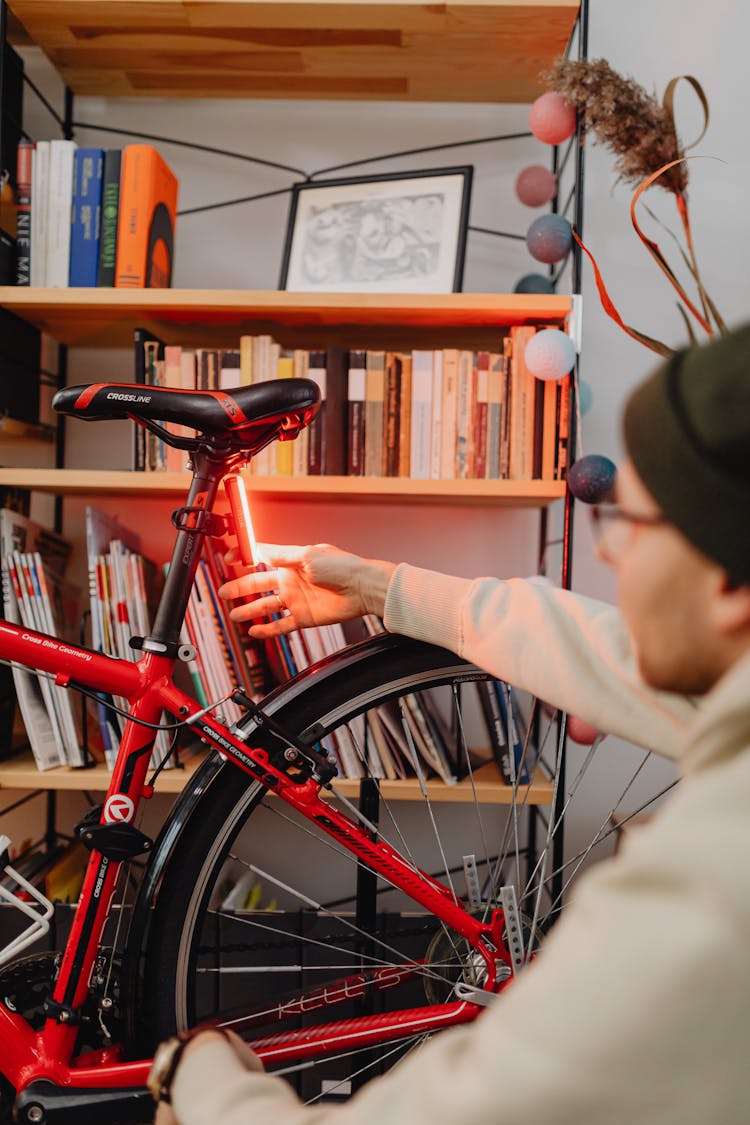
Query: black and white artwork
x=387, y=234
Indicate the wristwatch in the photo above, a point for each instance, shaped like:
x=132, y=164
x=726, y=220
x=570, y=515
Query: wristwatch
x=167, y=1058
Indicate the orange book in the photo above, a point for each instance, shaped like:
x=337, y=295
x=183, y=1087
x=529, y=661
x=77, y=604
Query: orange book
x=146, y=221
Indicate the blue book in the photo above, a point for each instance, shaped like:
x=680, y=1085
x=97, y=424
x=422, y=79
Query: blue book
x=85, y=230
x=515, y=734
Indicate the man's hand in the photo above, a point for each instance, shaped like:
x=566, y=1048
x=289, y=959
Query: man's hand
x=316, y=585
x=165, y=1114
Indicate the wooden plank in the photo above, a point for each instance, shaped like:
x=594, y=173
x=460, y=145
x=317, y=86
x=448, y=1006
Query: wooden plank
x=465, y=50
x=20, y=773
x=385, y=490
x=197, y=317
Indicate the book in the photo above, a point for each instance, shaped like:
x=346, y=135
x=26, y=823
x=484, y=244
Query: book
x=549, y=431
x=392, y=413
x=374, y=413
x=355, y=453
x=300, y=445
x=284, y=450
x=436, y=414
x=105, y=274
x=20, y=533
x=229, y=369
x=465, y=412
x=523, y=392
x=449, y=414
x=334, y=409
x=146, y=346
x=421, y=414
x=39, y=190
x=24, y=162
x=507, y=403
x=316, y=371
x=481, y=414
x=85, y=224
x=495, y=412
x=563, y=428
x=207, y=369
x=59, y=205
x=501, y=716
x=146, y=220
x=404, y=415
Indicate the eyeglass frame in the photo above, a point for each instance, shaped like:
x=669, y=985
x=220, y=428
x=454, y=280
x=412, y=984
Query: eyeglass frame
x=613, y=513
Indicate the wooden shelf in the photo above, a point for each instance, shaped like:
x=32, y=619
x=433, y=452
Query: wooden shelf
x=461, y=51
x=20, y=772
x=389, y=490
x=205, y=317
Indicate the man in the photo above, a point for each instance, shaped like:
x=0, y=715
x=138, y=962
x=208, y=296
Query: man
x=637, y=1009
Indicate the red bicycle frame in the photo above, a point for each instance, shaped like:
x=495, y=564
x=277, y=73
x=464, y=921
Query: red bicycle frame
x=147, y=686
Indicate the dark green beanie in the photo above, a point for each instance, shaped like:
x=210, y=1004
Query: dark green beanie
x=687, y=432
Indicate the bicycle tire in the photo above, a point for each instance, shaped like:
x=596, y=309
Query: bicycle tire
x=176, y=918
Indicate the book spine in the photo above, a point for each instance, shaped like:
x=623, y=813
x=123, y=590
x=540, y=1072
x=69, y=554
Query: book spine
x=300, y=444
x=481, y=415
x=449, y=414
x=24, y=162
x=421, y=419
x=355, y=447
x=465, y=416
x=105, y=274
x=436, y=415
x=317, y=372
x=391, y=413
x=85, y=227
x=337, y=404
x=522, y=407
x=59, y=204
x=563, y=429
x=374, y=408
x=549, y=430
x=506, y=405
x=284, y=450
x=494, y=415
x=39, y=192
x=404, y=416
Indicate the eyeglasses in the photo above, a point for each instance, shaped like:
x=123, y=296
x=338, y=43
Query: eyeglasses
x=614, y=529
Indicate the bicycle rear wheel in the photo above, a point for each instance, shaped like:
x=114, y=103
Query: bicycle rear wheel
x=247, y=906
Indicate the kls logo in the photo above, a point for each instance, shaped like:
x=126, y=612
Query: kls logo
x=118, y=808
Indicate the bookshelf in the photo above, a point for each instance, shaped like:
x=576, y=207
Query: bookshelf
x=462, y=51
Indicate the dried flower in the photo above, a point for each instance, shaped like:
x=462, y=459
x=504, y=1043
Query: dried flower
x=641, y=132
x=622, y=115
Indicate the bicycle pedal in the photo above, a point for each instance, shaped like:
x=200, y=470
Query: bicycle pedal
x=28, y=899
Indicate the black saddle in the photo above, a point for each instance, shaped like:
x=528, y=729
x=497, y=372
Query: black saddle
x=249, y=417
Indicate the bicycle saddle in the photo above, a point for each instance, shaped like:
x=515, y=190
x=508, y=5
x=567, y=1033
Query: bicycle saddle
x=252, y=416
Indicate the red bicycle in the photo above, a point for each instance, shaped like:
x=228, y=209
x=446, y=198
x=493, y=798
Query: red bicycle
x=339, y=915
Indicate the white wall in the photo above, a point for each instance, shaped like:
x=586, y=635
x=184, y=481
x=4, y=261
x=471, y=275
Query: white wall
x=241, y=246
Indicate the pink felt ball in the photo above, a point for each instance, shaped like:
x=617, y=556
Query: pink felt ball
x=550, y=354
x=552, y=119
x=581, y=732
x=536, y=185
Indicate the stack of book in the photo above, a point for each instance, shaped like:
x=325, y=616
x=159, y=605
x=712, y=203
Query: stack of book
x=440, y=414
x=37, y=596
x=93, y=216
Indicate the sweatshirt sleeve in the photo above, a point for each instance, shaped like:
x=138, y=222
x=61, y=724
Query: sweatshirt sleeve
x=570, y=651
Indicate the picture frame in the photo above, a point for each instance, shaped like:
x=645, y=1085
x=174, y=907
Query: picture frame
x=401, y=232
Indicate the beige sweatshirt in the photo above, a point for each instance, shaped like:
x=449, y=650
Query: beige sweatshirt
x=637, y=1009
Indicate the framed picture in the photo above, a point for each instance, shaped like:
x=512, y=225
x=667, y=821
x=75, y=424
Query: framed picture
x=379, y=234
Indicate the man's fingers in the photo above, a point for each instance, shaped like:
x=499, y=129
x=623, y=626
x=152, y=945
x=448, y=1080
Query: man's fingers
x=249, y=584
x=261, y=607
x=268, y=629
